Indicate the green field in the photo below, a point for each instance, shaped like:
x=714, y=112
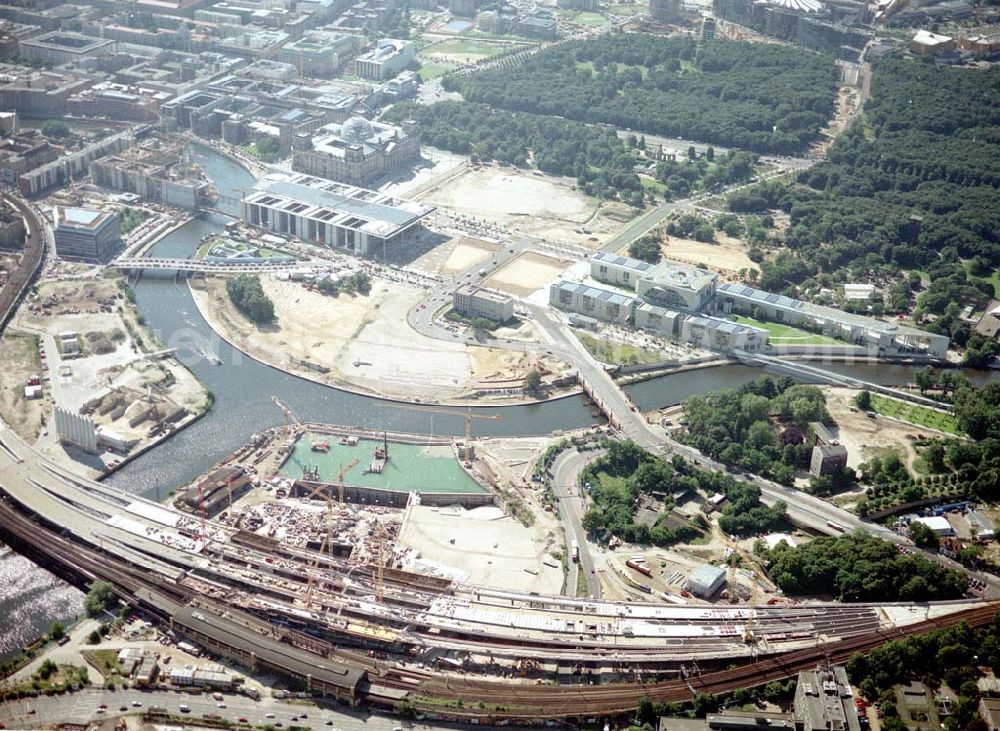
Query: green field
x=786, y=334
x=591, y=19
x=430, y=70
x=460, y=47
x=915, y=414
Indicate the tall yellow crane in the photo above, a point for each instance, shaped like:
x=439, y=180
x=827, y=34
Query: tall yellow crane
x=468, y=452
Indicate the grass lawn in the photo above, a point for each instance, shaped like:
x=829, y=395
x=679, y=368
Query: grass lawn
x=590, y=19
x=786, y=334
x=616, y=353
x=430, y=70
x=460, y=47
x=915, y=414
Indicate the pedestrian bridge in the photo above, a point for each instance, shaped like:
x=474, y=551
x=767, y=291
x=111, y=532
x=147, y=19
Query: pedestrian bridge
x=197, y=266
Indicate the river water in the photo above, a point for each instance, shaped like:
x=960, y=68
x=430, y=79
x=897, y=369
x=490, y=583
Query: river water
x=30, y=599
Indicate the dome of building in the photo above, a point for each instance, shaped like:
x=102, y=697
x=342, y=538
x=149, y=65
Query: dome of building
x=356, y=130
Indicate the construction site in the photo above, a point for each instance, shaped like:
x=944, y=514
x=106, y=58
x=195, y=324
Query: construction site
x=158, y=169
x=271, y=590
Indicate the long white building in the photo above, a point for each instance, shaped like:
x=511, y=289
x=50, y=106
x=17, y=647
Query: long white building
x=881, y=336
x=361, y=221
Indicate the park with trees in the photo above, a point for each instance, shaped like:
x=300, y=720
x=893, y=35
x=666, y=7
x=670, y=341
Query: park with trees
x=247, y=295
x=912, y=186
x=764, y=98
x=596, y=157
x=860, y=567
x=760, y=426
x=627, y=474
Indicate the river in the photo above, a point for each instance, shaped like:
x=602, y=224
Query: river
x=30, y=600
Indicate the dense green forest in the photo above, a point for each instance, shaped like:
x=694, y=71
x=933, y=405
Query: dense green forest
x=765, y=98
x=627, y=471
x=735, y=426
x=860, y=567
x=601, y=162
x=915, y=152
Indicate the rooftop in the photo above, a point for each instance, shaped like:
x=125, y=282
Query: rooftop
x=304, y=195
x=80, y=217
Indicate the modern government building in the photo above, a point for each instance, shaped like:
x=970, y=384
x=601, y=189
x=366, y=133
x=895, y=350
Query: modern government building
x=688, y=304
x=364, y=222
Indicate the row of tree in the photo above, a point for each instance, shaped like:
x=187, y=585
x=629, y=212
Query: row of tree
x=601, y=162
x=765, y=98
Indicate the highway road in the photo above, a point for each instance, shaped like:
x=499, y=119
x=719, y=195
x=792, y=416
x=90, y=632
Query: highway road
x=569, y=500
x=82, y=707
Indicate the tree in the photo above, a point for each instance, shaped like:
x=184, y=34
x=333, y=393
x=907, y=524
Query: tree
x=924, y=536
x=647, y=248
x=268, y=147
x=47, y=669
x=532, y=380
x=94, y=638
x=100, y=597
x=926, y=379
x=57, y=631
x=710, y=154
x=55, y=128
x=864, y=400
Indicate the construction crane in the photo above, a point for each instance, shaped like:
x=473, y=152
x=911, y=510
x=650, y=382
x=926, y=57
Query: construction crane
x=748, y=635
x=328, y=539
x=468, y=453
x=383, y=536
x=340, y=480
x=290, y=417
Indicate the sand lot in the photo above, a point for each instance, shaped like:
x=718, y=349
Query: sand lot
x=527, y=273
x=728, y=254
x=19, y=360
x=533, y=203
x=491, y=548
x=456, y=255
x=865, y=437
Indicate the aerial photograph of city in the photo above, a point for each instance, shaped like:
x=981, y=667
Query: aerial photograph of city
x=423, y=365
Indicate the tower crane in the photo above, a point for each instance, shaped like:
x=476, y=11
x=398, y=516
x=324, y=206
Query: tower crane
x=748, y=635
x=328, y=539
x=468, y=452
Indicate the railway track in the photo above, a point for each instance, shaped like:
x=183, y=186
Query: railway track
x=507, y=702
x=501, y=700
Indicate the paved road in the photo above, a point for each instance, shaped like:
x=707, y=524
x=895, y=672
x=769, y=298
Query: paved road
x=82, y=707
x=569, y=500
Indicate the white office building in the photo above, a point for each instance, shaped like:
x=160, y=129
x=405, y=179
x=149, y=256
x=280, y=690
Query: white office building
x=361, y=221
x=881, y=337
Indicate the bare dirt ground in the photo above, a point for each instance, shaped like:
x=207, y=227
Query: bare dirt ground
x=727, y=255
x=364, y=340
x=865, y=437
x=490, y=548
x=527, y=273
x=456, y=255
x=845, y=104
x=529, y=202
x=19, y=361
